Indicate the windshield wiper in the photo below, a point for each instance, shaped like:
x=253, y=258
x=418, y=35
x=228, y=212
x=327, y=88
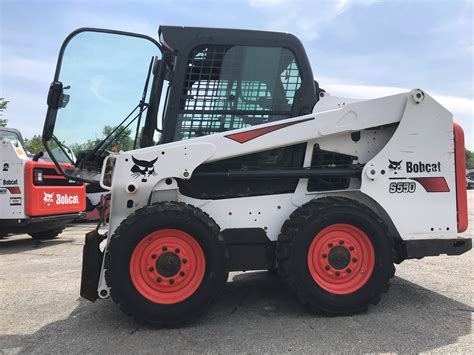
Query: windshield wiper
x=64, y=148
x=142, y=101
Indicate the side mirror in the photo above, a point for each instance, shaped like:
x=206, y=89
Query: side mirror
x=54, y=95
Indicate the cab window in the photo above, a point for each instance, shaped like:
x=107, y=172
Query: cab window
x=8, y=136
x=229, y=87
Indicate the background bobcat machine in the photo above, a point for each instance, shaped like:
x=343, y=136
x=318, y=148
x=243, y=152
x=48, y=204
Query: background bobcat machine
x=222, y=154
x=34, y=197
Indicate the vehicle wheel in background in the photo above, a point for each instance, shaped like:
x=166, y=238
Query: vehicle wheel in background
x=48, y=234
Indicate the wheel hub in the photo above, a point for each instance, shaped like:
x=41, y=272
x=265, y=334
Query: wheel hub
x=168, y=264
x=339, y=257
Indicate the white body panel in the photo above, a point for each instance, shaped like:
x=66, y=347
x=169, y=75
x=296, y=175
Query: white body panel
x=414, y=132
x=12, y=165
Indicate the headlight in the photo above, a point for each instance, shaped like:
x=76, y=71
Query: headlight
x=108, y=172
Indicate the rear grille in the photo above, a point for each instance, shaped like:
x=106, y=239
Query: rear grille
x=52, y=178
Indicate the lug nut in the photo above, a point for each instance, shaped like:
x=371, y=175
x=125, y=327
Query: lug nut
x=171, y=281
x=165, y=248
x=185, y=261
x=348, y=271
x=325, y=256
x=354, y=260
x=153, y=256
x=341, y=242
x=158, y=279
x=327, y=267
x=351, y=248
x=337, y=273
x=181, y=273
x=176, y=250
x=151, y=269
x=330, y=245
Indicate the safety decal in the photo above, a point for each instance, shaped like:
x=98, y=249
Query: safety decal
x=15, y=201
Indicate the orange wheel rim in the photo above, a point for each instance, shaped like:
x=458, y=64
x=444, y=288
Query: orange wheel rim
x=167, y=266
x=341, y=259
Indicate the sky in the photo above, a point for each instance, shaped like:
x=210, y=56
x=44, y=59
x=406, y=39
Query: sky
x=357, y=48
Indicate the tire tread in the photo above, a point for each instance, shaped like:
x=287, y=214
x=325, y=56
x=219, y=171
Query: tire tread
x=164, y=209
x=287, y=239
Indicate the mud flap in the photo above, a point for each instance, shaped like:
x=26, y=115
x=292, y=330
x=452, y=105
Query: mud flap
x=91, y=265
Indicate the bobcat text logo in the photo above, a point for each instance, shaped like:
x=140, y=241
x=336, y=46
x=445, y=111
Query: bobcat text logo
x=415, y=167
x=10, y=182
x=48, y=198
x=421, y=167
x=143, y=168
x=67, y=199
x=60, y=199
x=394, y=165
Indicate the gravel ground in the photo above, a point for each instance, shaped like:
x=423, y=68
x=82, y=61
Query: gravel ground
x=428, y=308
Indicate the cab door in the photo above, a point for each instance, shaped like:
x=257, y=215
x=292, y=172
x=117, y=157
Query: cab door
x=103, y=94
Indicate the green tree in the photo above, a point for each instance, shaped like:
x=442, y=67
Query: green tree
x=121, y=142
x=469, y=159
x=115, y=142
x=3, y=107
x=35, y=144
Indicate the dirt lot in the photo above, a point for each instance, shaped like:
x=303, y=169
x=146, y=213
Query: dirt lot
x=428, y=308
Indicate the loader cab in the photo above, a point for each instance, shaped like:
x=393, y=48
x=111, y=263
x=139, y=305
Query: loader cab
x=11, y=134
x=228, y=79
x=116, y=91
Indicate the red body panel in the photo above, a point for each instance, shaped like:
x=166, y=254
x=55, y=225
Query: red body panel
x=44, y=200
x=461, y=192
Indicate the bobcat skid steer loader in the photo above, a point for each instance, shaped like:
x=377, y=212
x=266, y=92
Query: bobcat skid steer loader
x=222, y=153
x=34, y=197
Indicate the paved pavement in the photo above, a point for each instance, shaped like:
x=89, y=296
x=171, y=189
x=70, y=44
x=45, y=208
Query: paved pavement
x=428, y=308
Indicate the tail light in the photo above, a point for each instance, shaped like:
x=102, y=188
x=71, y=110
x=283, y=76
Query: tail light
x=460, y=166
x=49, y=176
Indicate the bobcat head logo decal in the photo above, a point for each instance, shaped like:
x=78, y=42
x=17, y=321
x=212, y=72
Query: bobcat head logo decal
x=395, y=165
x=48, y=198
x=143, y=168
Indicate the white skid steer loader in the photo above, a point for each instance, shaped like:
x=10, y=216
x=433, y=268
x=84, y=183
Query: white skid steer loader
x=222, y=153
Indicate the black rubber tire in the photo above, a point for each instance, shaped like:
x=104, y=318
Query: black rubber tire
x=89, y=205
x=295, y=239
x=137, y=226
x=46, y=235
